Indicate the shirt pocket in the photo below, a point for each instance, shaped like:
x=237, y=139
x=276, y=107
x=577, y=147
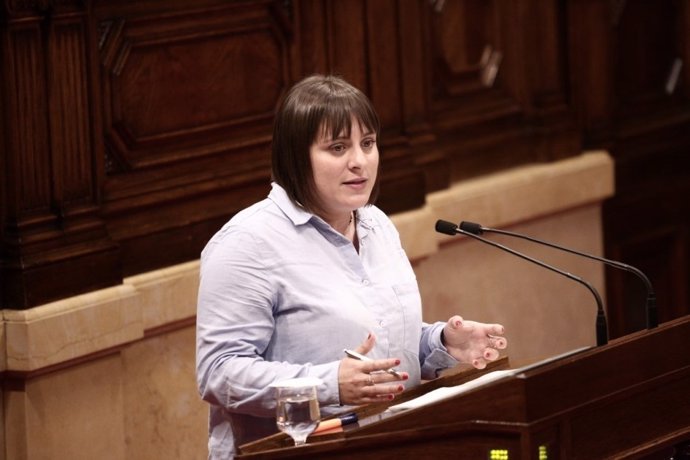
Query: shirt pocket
x=410, y=302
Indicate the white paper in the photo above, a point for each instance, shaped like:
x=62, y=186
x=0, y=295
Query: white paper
x=442, y=393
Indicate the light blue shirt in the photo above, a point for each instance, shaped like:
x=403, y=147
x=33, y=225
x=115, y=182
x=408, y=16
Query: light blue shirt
x=282, y=294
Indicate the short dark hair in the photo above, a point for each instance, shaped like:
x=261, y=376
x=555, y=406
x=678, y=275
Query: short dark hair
x=317, y=102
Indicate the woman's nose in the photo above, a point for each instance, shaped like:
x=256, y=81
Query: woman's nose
x=357, y=156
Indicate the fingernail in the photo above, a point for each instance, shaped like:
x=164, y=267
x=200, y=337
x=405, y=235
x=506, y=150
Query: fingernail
x=368, y=336
x=397, y=361
x=457, y=324
x=406, y=376
x=390, y=397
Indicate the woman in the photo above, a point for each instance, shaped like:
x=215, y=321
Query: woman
x=314, y=268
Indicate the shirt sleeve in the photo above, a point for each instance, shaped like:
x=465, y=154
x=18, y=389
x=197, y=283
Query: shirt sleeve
x=235, y=324
x=433, y=355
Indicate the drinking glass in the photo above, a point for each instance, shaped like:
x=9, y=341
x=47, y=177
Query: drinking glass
x=297, y=408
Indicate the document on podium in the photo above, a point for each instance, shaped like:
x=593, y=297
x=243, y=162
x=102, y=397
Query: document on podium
x=442, y=393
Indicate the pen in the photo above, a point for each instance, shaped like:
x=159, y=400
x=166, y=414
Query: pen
x=355, y=355
x=332, y=424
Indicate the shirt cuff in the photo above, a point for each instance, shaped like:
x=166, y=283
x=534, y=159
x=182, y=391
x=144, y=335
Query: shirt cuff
x=439, y=358
x=329, y=392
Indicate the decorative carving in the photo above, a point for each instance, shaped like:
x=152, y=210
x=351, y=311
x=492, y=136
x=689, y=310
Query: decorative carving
x=189, y=86
x=104, y=29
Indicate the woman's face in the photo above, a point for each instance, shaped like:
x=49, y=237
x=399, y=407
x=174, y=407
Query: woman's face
x=344, y=170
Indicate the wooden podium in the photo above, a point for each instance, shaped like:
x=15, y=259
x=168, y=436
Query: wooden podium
x=627, y=399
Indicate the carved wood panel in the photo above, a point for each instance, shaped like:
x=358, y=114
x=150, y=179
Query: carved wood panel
x=498, y=88
x=188, y=101
x=189, y=85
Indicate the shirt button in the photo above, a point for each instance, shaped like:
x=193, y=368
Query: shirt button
x=365, y=282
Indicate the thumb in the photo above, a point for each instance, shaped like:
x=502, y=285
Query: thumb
x=366, y=346
x=456, y=322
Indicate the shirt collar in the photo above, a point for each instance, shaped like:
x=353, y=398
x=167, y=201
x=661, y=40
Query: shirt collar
x=292, y=210
x=300, y=216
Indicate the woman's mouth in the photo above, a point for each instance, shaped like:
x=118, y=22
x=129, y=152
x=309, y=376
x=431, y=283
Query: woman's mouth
x=356, y=184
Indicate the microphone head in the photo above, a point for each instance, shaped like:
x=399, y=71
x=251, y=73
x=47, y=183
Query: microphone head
x=443, y=226
x=471, y=227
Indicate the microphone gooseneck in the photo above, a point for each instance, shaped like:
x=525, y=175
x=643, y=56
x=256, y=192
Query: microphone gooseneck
x=651, y=311
x=449, y=228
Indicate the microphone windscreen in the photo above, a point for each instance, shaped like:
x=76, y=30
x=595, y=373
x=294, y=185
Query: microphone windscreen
x=471, y=227
x=443, y=226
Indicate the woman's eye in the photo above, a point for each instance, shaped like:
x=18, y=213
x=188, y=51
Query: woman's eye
x=338, y=148
x=368, y=143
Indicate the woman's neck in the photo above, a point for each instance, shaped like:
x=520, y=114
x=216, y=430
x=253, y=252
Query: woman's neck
x=345, y=225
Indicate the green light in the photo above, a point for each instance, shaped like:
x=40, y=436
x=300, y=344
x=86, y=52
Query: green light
x=498, y=454
x=543, y=455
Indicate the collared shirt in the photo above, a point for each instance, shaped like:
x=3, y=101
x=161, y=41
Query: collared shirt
x=282, y=294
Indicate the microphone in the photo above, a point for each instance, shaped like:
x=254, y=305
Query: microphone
x=449, y=228
x=651, y=311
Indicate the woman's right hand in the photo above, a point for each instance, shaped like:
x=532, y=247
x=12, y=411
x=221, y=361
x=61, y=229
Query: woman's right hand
x=363, y=382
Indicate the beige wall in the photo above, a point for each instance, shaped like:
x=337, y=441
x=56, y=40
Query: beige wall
x=544, y=313
x=110, y=374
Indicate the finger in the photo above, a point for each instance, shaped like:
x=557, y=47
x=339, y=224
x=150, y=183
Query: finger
x=366, y=346
x=499, y=342
x=376, y=398
x=379, y=365
x=490, y=354
x=479, y=363
x=455, y=322
x=495, y=329
x=382, y=389
x=367, y=380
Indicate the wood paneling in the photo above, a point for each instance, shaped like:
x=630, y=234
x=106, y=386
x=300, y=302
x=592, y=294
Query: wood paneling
x=188, y=100
x=497, y=78
x=630, y=84
x=54, y=242
x=133, y=129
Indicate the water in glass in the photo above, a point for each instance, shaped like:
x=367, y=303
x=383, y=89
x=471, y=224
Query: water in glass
x=297, y=408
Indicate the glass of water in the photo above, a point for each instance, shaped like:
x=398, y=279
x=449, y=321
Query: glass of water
x=297, y=408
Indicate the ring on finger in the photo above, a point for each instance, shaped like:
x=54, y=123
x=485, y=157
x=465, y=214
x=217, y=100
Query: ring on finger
x=370, y=382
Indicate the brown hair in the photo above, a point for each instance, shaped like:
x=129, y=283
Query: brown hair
x=312, y=104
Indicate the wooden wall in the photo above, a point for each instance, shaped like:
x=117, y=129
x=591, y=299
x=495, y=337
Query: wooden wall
x=131, y=130
x=631, y=84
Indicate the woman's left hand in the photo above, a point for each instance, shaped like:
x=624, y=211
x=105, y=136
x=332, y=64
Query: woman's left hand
x=473, y=342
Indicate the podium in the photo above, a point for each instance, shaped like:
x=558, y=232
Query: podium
x=627, y=399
